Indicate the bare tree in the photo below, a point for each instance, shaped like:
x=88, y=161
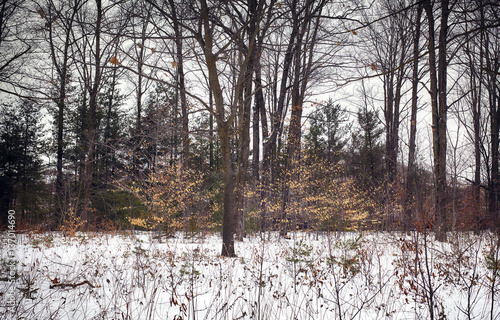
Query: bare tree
x=95, y=48
x=389, y=52
x=181, y=84
x=59, y=34
x=491, y=54
x=13, y=45
x=412, y=174
x=225, y=49
x=306, y=19
x=438, y=92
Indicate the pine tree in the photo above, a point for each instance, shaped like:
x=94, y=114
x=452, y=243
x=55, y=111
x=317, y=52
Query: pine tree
x=367, y=150
x=326, y=130
x=20, y=163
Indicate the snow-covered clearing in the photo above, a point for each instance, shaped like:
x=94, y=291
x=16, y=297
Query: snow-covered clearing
x=311, y=276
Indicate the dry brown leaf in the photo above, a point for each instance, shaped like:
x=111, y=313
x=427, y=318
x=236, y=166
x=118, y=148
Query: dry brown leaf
x=114, y=61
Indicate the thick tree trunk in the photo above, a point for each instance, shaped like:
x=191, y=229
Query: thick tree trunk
x=138, y=106
x=439, y=108
x=244, y=120
x=242, y=163
x=257, y=109
x=229, y=208
x=223, y=130
x=441, y=124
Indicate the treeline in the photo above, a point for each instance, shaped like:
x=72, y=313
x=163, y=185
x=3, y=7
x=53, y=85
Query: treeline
x=214, y=115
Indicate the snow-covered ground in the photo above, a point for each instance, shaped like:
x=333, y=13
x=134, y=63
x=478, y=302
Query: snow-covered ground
x=311, y=276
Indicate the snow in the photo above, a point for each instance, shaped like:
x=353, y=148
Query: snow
x=311, y=276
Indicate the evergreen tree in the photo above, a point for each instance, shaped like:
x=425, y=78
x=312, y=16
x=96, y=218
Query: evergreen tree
x=159, y=141
x=77, y=126
x=327, y=128
x=61, y=144
x=20, y=163
x=109, y=159
x=111, y=130
x=367, y=150
x=204, y=149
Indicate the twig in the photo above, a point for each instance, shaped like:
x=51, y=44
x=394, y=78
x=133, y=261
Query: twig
x=72, y=285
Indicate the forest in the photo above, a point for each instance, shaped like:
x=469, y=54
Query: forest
x=249, y=159
x=250, y=116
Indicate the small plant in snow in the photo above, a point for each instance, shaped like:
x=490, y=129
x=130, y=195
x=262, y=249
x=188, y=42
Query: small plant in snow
x=350, y=252
x=46, y=240
x=300, y=251
x=188, y=270
x=28, y=287
x=71, y=223
x=300, y=259
x=493, y=262
x=492, y=259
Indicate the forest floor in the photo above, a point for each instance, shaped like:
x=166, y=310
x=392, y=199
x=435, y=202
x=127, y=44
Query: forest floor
x=310, y=276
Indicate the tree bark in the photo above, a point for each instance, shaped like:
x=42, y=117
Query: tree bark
x=438, y=102
x=412, y=174
x=442, y=123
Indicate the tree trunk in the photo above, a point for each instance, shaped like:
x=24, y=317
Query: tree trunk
x=228, y=225
x=264, y=179
x=60, y=134
x=438, y=103
x=475, y=84
x=62, y=71
x=294, y=137
x=494, y=187
x=412, y=174
x=390, y=158
x=492, y=67
x=256, y=141
x=441, y=124
x=89, y=161
x=244, y=120
x=181, y=83
x=303, y=62
x=181, y=87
